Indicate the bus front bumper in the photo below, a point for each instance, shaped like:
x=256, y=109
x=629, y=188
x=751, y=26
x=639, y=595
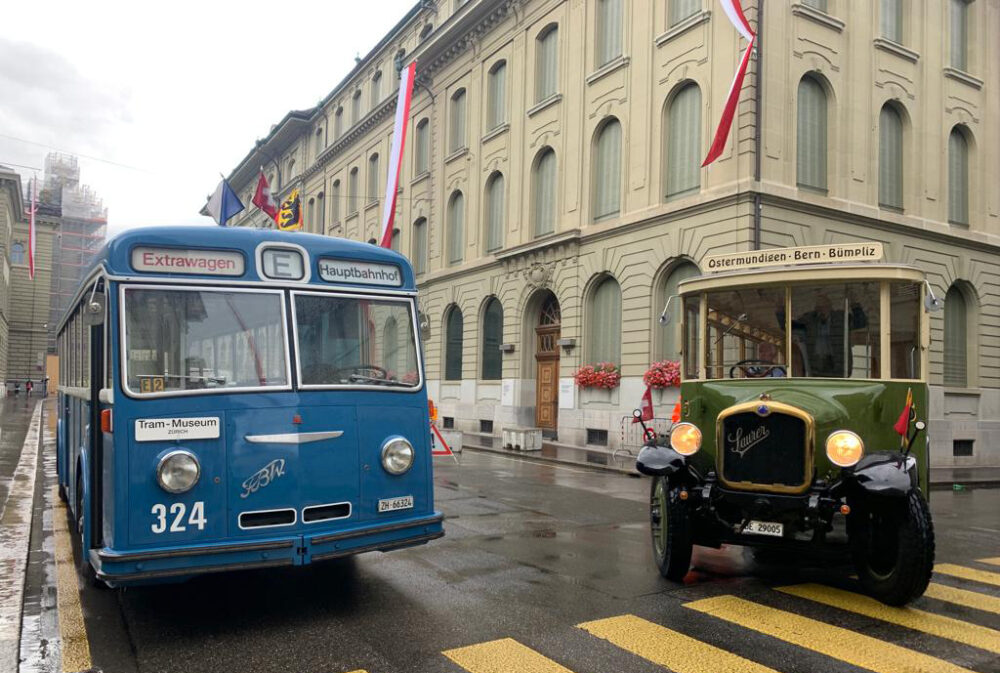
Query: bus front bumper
x=118, y=568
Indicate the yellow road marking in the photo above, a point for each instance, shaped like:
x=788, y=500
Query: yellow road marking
x=833, y=641
x=964, y=573
x=503, y=656
x=970, y=599
x=676, y=651
x=72, y=632
x=936, y=625
x=995, y=561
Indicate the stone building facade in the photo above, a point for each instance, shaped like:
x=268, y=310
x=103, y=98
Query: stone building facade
x=552, y=196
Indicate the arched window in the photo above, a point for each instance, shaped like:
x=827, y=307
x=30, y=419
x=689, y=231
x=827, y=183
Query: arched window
x=457, y=127
x=320, y=213
x=607, y=170
x=669, y=347
x=456, y=227
x=373, y=178
x=390, y=347
x=496, y=104
x=891, y=20
x=604, y=337
x=335, y=202
x=543, y=194
x=811, y=134
x=683, y=137
x=547, y=63
x=352, y=191
x=492, y=338
x=376, y=92
x=274, y=186
x=956, y=339
x=338, y=122
x=291, y=170
x=682, y=9
x=958, y=177
x=495, y=224
x=420, y=246
x=960, y=34
x=310, y=222
x=453, y=346
x=356, y=107
x=17, y=253
x=319, y=141
x=609, y=31
x=890, y=158
x=421, y=150
x=394, y=239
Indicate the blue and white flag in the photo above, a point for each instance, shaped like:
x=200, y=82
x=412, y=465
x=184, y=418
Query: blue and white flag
x=224, y=204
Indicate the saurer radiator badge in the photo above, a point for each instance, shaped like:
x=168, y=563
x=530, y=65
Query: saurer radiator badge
x=740, y=443
x=263, y=477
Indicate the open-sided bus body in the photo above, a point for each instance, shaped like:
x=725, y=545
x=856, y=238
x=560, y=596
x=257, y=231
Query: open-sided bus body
x=240, y=398
x=794, y=384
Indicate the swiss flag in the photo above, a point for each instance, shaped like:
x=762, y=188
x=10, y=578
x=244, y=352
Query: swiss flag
x=262, y=198
x=646, y=406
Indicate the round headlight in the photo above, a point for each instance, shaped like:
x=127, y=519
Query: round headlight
x=397, y=456
x=685, y=439
x=178, y=471
x=844, y=448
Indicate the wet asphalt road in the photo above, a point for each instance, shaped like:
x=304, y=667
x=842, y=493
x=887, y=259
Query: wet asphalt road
x=532, y=550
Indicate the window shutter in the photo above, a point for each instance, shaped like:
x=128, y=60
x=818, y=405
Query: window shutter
x=684, y=142
x=420, y=246
x=607, y=170
x=494, y=213
x=547, y=65
x=682, y=9
x=352, y=191
x=492, y=337
x=335, y=202
x=609, y=27
x=959, y=34
x=890, y=158
x=955, y=339
x=892, y=20
x=458, y=121
x=421, y=150
x=453, y=347
x=456, y=228
x=373, y=178
x=606, y=323
x=812, y=131
x=498, y=92
x=545, y=185
x=958, y=178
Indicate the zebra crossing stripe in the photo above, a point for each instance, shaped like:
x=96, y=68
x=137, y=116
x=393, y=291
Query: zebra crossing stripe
x=936, y=625
x=964, y=573
x=503, y=656
x=995, y=561
x=840, y=643
x=969, y=599
x=676, y=651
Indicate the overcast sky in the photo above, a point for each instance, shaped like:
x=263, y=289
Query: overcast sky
x=158, y=99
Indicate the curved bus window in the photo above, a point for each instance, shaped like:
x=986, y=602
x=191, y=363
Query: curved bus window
x=183, y=340
x=905, y=306
x=835, y=331
x=746, y=333
x=353, y=341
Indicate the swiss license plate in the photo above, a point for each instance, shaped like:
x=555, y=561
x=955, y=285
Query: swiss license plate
x=772, y=528
x=392, y=504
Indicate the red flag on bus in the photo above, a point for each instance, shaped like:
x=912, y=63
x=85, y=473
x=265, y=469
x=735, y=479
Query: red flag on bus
x=645, y=406
x=902, y=426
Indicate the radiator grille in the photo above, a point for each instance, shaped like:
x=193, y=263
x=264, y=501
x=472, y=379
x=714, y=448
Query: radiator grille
x=769, y=452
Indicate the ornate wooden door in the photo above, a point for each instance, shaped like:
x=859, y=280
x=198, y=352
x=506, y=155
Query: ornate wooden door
x=547, y=359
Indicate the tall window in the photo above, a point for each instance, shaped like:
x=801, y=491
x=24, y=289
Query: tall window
x=453, y=346
x=319, y=141
x=890, y=158
x=959, y=34
x=609, y=31
x=956, y=327
x=421, y=152
x=682, y=9
x=456, y=228
x=891, y=20
x=17, y=253
x=338, y=122
x=683, y=150
x=958, y=177
x=352, y=191
x=420, y=246
x=311, y=215
x=669, y=347
x=373, y=178
x=604, y=336
x=543, y=195
x=496, y=111
x=607, y=171
x=547, y=64
x=356, y=107
x=394, y=240
x=290, y=172
x=457, y=136
x=376, y=89
x=811, y=134
x=492, y=338
x=335, y=202
x=318, y=225
x=494, y=212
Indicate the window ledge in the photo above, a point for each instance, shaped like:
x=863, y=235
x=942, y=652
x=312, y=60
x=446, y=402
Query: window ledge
x=608, y=68
x=963, y=77
x=496, y=131
x=460, y=152
x=895, y=48
x=968, y=392
x=684, y=26
x=371, y=204
x=420, y=177
x=817, y=16
x=551, y=100
x=960, y=225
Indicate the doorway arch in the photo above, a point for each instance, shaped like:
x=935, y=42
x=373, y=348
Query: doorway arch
x=545, y=320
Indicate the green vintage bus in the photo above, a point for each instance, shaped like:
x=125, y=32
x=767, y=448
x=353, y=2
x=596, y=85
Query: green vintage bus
x=803, y=415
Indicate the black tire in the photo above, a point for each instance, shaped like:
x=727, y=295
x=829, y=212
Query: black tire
x=83, y=563
x=670, y=526
x=63, y=495
x=892, y=542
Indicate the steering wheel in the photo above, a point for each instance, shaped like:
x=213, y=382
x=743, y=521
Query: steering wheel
x=758, y=370
x=364, y=370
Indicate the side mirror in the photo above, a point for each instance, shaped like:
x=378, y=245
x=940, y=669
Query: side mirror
x=665, y=317
x=93, y=310
x=932, y=304
x=637, y=413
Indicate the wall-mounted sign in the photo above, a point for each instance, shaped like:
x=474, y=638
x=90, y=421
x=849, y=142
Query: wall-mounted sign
x=282, y=264
x=197, y=262
x=191, y=427
x=360, y=273
x=810, y=254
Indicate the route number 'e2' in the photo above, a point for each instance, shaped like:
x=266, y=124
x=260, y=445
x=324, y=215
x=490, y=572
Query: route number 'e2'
x=177, y=513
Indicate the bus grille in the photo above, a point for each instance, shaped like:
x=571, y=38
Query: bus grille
x=769, y=453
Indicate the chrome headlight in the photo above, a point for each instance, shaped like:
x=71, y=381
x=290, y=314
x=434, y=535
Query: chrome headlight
x=397, y=455
x=844, y=448
x=178, y=471
x=685, y=439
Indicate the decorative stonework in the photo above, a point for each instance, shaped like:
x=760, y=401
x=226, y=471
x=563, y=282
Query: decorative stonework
x=539, y=275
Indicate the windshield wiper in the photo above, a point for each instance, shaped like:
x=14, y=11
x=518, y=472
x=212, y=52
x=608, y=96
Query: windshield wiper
x=356, y=378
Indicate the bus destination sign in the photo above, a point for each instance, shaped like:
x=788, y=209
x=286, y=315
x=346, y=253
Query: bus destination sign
x=196, y=262
x=360, y=273
x=810, y=254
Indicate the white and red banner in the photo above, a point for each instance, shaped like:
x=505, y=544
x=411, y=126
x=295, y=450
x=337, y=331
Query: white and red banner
x=645, y=406
x=396, y=152
x=262, y=197
x=32, y=234
x=735, y=13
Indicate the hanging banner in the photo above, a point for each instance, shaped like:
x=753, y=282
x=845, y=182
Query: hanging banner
x=290, y=213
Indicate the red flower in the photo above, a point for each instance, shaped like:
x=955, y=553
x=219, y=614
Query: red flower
x=664, y=374
x=601, y=375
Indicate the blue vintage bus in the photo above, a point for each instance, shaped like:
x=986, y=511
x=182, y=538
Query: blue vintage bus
x=236, y=398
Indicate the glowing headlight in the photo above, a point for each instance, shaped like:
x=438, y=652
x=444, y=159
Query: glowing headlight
x=178, y=471
x=397, y=455
x=685, y=439
x=844, y=448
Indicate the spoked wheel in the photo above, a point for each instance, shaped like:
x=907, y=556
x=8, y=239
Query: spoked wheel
x=670, y=525
x=893, y=547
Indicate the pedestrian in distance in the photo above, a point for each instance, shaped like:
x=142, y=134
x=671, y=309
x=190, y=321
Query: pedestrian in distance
x=28, y=385
x=17, y=388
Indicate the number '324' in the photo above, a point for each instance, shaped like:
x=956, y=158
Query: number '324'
x=177, y=517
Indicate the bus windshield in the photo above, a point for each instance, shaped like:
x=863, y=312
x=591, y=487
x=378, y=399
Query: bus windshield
x=187, y=339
